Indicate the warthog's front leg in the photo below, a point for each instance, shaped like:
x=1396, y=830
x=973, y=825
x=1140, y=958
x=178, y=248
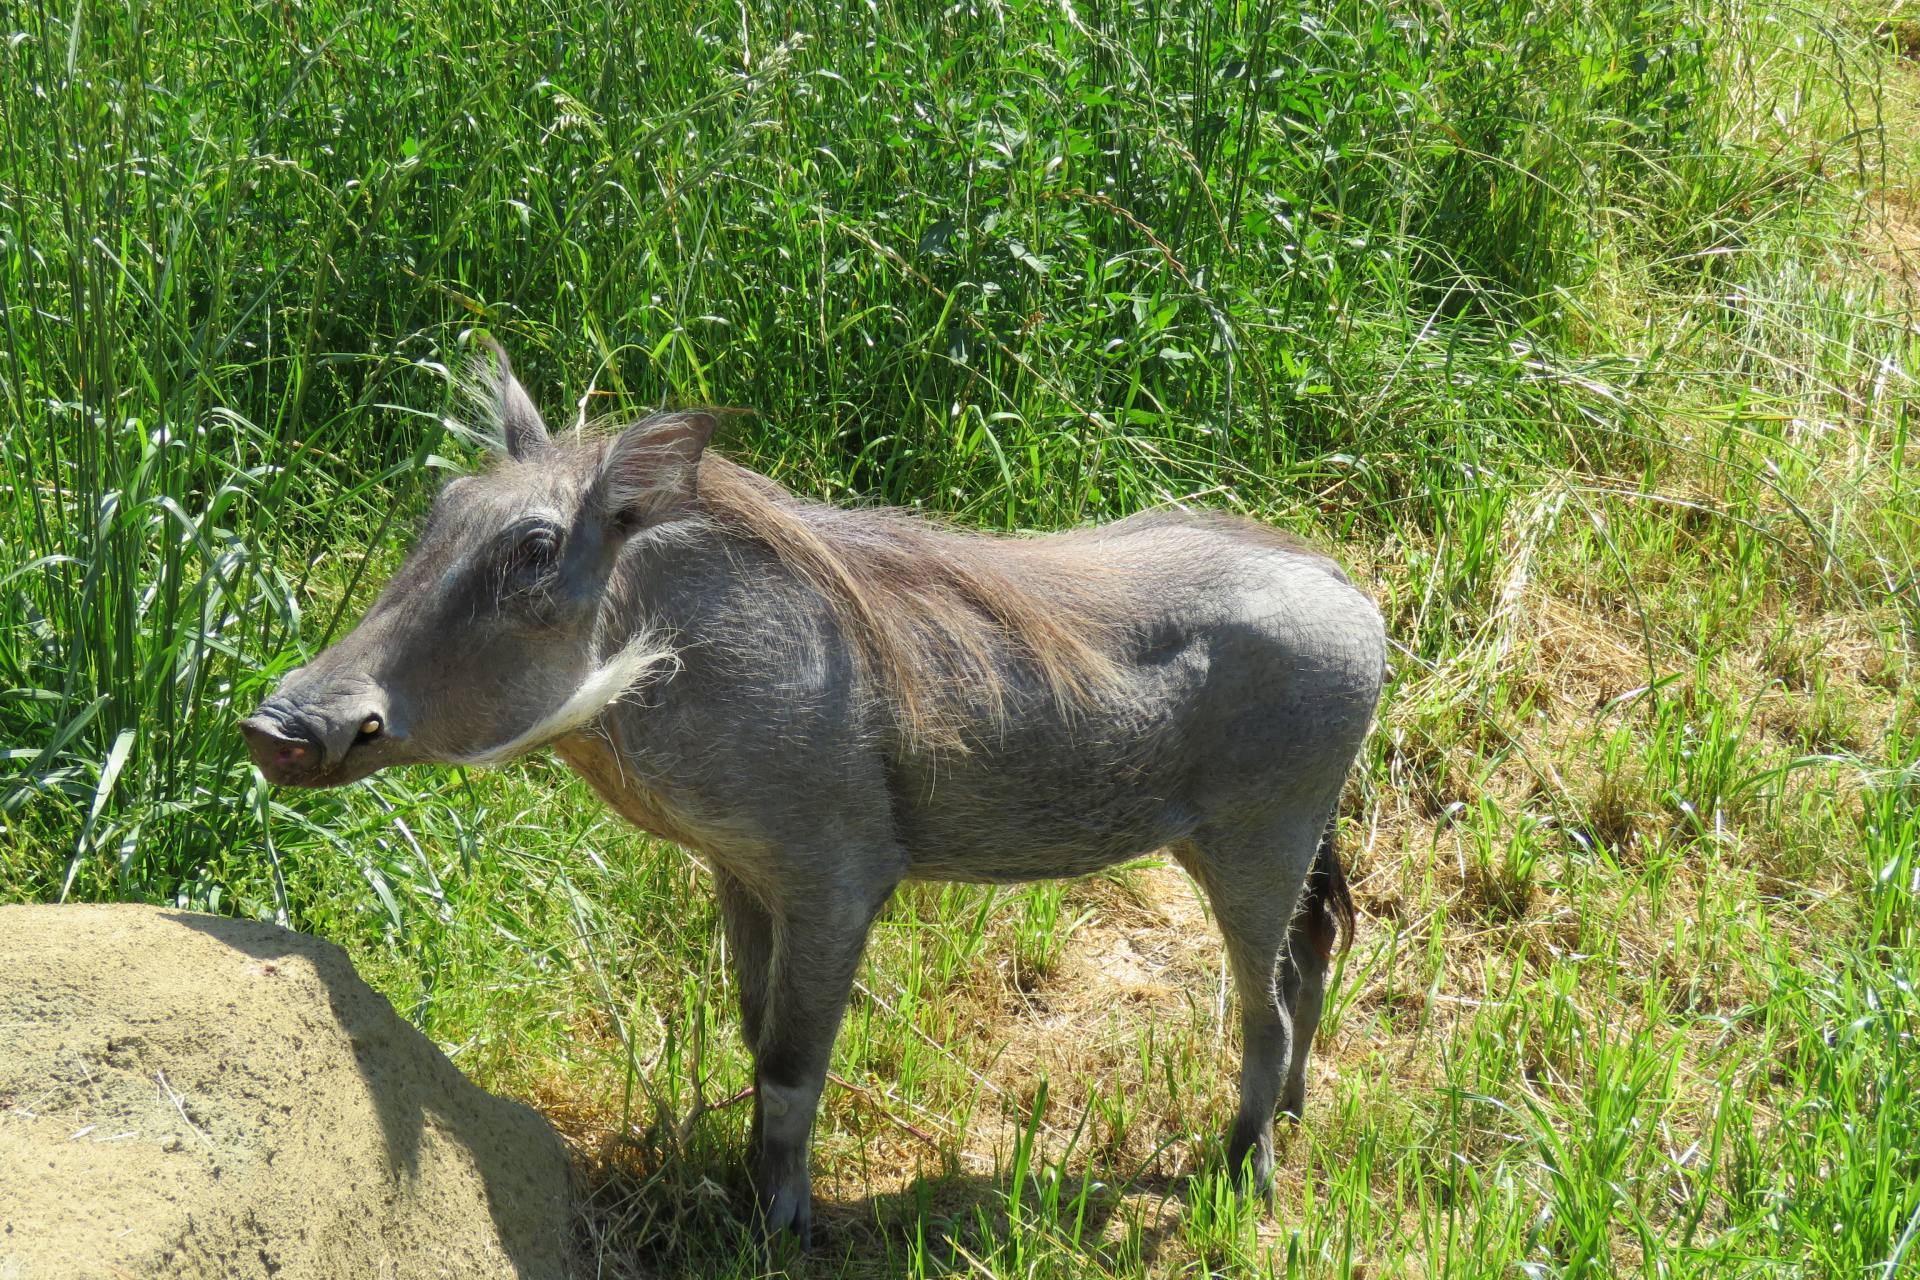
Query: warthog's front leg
x=818, y=932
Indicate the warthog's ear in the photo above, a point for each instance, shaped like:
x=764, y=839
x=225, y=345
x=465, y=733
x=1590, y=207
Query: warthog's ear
x=649, y=473
x=501, y=395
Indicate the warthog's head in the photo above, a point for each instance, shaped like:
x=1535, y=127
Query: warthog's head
x=490, y=640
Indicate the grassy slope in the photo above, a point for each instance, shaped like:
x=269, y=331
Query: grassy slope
x=1569, y=326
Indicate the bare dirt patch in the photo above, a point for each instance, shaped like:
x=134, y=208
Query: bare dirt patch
x=185, y=1095
x=1061, y=1055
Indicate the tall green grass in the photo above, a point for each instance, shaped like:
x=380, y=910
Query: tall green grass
x=1032, y=266
x=1519, y=305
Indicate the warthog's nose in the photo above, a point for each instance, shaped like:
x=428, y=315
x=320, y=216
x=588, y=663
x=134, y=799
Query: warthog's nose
x=282, y=750
x=316, y=742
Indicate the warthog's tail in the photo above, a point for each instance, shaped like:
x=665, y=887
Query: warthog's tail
x=1327, y=905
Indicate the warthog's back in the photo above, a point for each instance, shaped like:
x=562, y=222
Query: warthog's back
x=1250, y=670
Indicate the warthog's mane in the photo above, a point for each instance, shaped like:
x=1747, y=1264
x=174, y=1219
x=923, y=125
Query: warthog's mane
x=948, y=623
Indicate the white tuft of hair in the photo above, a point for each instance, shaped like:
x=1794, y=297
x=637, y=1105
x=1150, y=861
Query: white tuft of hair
x=491, y=405
x=602, y=687
x=479, y=413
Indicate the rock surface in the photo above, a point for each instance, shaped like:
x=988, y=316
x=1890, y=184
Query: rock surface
x=186, y=1095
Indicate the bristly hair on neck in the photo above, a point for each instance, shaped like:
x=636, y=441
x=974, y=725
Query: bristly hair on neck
x=948, y=624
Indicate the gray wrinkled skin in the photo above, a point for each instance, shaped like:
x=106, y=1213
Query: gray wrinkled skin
x=751, y=729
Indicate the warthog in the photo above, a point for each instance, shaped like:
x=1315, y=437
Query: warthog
x=823, y=703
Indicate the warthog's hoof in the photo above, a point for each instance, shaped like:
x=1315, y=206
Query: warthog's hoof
x=785, y=1201
x=787, y=1210
x=1250, y=1165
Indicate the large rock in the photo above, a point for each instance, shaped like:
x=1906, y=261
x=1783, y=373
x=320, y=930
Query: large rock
x=185, y=1095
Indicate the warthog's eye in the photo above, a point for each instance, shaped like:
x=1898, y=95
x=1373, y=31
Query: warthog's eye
x=537, y=548
x=529, y=558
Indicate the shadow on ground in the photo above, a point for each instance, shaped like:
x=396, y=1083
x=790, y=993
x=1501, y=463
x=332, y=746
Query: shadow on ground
x=643, y=1215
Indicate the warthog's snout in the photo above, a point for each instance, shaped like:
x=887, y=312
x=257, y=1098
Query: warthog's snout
x=297, y=748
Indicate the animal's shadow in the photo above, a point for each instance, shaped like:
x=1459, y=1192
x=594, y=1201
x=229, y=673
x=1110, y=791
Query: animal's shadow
x=689, y=1215
x=645, y=1212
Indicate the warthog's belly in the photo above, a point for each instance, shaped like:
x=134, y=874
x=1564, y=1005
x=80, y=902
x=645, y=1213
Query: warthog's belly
x=1038, y=816
x=1060, y=798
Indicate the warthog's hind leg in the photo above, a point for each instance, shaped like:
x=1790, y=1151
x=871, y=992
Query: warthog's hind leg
x=1253, y=881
